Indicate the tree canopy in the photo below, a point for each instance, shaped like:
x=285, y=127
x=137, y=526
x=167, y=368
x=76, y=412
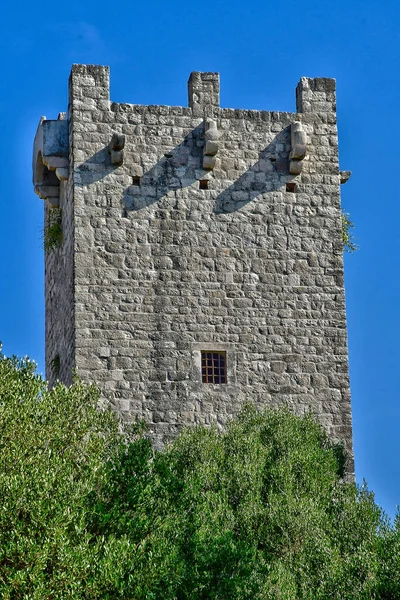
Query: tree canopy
x=90, y=511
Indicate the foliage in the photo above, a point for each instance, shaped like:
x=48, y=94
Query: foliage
x=53, y=234
x=259, y=512
x=349, y=244
x=53, y=448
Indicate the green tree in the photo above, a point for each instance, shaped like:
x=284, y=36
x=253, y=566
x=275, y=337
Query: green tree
x=54, y=447
x=259, y=511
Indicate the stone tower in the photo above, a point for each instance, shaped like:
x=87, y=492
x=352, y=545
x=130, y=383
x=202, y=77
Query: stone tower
x=200, y=263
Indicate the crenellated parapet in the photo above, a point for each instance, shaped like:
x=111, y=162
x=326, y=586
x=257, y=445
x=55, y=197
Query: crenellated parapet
x=203, y=91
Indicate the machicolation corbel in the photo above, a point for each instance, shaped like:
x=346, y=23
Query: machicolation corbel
x=116, y=148
x=299, y=148
x=211, y=144
x=50, y=159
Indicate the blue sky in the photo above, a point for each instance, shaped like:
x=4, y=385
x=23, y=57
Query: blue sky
x=261, y=49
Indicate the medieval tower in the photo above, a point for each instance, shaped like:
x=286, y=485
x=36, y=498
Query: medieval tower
x=195, y=254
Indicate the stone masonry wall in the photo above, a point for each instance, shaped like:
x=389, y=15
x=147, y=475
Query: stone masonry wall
x=59, y=294
x=252, y=265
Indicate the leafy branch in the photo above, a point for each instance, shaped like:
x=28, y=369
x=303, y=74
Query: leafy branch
x=349, y=244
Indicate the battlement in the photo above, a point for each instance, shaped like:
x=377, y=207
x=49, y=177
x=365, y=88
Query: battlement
x=93, y=81
x=201, y=256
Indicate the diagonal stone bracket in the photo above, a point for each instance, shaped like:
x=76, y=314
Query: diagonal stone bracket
x=211, y=144
x=116, y=148
x=299, y=148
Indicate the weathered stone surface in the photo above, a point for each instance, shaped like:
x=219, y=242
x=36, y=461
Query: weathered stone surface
x=203, y=89
x=153, y=269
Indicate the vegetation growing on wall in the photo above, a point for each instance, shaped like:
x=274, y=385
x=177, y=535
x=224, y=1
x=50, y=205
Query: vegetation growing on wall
x=53, y=234
x=56, y=366
x=349, y=244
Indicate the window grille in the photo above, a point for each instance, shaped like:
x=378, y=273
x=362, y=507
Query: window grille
x=213, y=367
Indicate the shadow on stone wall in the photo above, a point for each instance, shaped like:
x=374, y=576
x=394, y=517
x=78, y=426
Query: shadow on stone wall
x=179, y=168
x=268, y=174
x=94, y=169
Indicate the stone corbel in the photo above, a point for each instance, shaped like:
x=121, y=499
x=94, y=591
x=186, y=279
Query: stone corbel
x=116, y=148
x=62, y=173
x=211, y=144
x=299, y=148
x=53, y=201
x=344, y=176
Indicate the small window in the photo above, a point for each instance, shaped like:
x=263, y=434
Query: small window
x=136, y=180
x=213, y=367
x=291, y=187
x=203, y=184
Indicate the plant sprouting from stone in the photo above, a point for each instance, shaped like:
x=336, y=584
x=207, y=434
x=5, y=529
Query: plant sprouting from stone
x=349, y=244
x=53, y=235
x=56, y=365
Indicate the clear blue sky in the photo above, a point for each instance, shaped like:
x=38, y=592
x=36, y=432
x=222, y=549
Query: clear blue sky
x=261, y=49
